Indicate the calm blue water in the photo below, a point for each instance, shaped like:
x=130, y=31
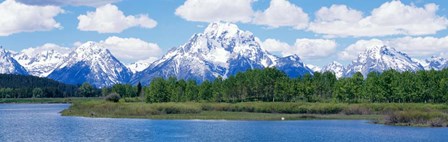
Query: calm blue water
x=42, y=122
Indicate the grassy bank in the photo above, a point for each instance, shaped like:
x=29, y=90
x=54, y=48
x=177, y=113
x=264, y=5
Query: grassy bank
x=409, y=114
x=44, y=100
x=215, y=111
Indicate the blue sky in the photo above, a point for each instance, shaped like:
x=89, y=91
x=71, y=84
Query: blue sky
x=174, y=29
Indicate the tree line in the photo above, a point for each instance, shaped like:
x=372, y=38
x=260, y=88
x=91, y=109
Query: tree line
x=266, y=85
x=20, y=86
x=272, y=85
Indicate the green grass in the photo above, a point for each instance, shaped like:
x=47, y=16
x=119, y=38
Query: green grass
x=188, y=111
x=401, y=114
x=225, y=115
x=409, y=114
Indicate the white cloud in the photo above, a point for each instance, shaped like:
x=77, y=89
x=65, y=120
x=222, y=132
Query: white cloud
x=129, y=50
x=93, y=3
x=315, y=48
x=417, y=47
x=274, y=45
x=420, y=46
x=305, y=48
x=216, y=10
x=391, y=18
x=109, y=19
x=338, y=13
x=17, y=17
x=282, y=13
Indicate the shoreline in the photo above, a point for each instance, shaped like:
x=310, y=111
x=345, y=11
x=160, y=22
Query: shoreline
x=419, y=115
x=392, y=114
x=211, y=115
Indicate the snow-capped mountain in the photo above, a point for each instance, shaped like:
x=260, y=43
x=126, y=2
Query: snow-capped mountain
x=435, y=63
x=221, y=50
x=8, y=65
x=141, y=65
x=335, y=67
x=314, y=68
x=43, y=60
x=381, y=58
x=91, y=63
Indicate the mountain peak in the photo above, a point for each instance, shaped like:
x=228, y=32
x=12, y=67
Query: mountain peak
x=378, y=51
x=9, y=65
x=336, y=68
x=221, y=50
x=93, y=63
x=2, y=51
x=436, y=63
x=381, y=58
x=90, y=46
x=41, y=61
x=219, y=28
x=435, y=58
x=293, y=57
x=91, y=51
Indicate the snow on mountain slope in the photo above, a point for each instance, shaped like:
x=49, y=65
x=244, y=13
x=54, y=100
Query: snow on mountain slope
x=314, y=68
x=336, y=68
x=141, y=65
x=435, y=63
x=8, y=65
x=91, y=63
x=221, y=50
x=381, y=58
x=41, y=61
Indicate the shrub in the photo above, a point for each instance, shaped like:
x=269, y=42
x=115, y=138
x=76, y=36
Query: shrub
x=113, y=97
x=434, y=119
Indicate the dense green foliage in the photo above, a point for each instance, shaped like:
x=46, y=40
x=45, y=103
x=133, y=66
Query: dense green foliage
x=19, y=86
x=272, y=85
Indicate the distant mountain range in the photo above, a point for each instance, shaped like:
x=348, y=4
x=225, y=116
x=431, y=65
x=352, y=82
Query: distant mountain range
x=221, y=50
x=92, y=63
x=41, y=61
x=380, y=58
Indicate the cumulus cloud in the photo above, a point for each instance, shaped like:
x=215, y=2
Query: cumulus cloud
x=391, y=18
x=17, y=17
x=420, y=46
x=282, y=13
x=274, y=45
x=305, y=48
x=216, y=10
x=417, y=47
x=129, y=50
x=109, y=19
x=93, y=3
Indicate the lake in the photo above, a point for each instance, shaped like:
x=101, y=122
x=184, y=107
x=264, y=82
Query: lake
x=42, y=122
